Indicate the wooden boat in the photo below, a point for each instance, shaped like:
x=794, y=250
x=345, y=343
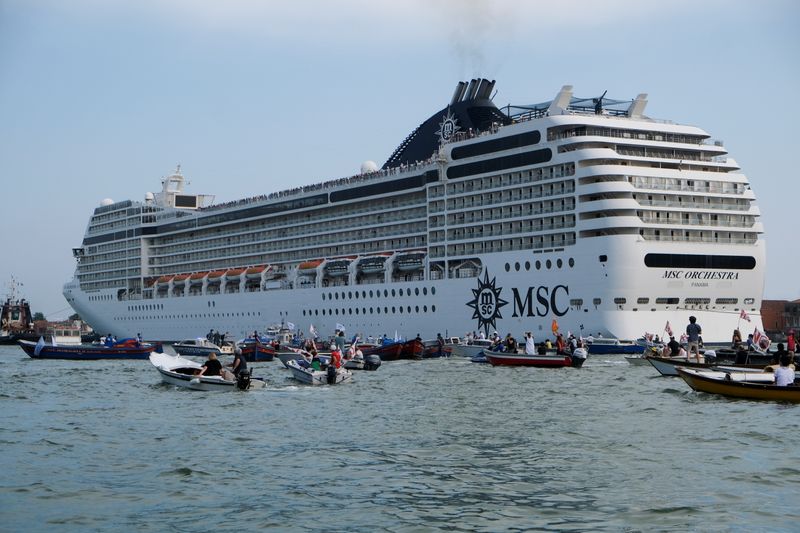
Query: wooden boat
x=303, y=372
x=391, y=351
x=179, y=371
x=412, y=349
x=521, y=359
x=746, y=385
x=254, y=352
x=667, y=366
x=127, y=349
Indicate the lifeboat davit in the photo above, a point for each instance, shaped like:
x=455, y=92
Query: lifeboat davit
x=409, y=261
x=339, y=266
x=373, y=263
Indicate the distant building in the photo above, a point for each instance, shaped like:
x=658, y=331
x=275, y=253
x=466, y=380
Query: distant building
x=779, y=316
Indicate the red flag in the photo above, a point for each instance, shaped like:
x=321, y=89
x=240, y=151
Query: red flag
x=744, y=315
x=760, y=341
x=668, y=329
x=554, y=326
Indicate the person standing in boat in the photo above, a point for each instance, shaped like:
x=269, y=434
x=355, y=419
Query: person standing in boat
x=693, y=332
x=239, y=362
x=561, y=346
x=530, y=345
x=790, y=342
x=736, y=340
x=211, y=367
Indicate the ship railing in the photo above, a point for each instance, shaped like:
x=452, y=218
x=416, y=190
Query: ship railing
x=695, y=205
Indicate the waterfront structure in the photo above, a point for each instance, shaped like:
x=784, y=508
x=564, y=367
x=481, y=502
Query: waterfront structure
x=584, y=213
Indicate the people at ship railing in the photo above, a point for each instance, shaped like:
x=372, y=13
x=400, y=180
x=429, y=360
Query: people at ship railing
x=530, y=345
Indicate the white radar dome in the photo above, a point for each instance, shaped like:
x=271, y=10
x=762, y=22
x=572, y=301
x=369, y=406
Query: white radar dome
x=149, y=197
x=368, y=166
x=106, y=201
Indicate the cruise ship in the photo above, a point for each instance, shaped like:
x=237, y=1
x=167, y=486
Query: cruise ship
x=578, y=213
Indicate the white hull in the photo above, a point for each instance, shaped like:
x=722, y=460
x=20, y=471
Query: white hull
x=317, y=377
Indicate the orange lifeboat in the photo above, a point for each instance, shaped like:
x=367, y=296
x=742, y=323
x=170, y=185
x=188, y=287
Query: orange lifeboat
x=255, y=272
x=234, y=274
x=180, y=279
x=163, y=281
x=197, y=278
x=215, y=276
x=310, y=265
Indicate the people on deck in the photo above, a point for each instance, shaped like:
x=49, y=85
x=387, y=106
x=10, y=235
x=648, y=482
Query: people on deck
x=211, y=367
x=693, y=332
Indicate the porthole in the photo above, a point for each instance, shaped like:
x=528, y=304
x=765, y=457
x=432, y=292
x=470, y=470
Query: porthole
x=516, y=266
x=538, y=265
x=385, y=310
x=385, y=293
x=342, y=295
x=356, y=310
x=408, y=308
x=363, y=310
x=433, y=309
x=316, y=311
x=424, y=308
x=508, y=267
x=378, y=309
x=401, y=309
x=559, y=263
x=571, y=262
x=549, y=264
x=336, y=295
x=433, y=290
x=416, y=291
x=323, y=296
x=370, y=310
x=349, y=295
x=527, y=265
x=416, y=309
x=401, y=292
x=304, y=312
x=424, y=291
x=393, y=294
x=370, y=294
x=394, y=310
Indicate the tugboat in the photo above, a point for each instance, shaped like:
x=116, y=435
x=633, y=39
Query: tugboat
x=16, y=320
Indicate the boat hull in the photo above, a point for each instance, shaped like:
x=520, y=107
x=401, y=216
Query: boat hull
x=702, y=382
x=317, y=377
x=180, y=372
x=86, y=353
x=669, y=367
x=542, y=361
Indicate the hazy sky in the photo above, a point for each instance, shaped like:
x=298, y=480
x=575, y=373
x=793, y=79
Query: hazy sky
x=101, y=98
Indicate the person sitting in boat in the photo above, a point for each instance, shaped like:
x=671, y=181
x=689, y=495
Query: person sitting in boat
x=211, y=367
x=239, y=362
x=784, y=374
x=542, y=349
x=736, y=340
x=497, y=346
x=548, y=344
x=316, y=362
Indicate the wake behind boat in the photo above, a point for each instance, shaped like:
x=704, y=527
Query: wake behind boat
x=179, y=371
x=128, y=349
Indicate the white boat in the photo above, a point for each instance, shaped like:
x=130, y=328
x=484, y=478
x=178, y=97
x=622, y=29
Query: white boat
x=179, y=371
x=310, y=376
x=471, y=349
x=201, y=347
x=582, y=210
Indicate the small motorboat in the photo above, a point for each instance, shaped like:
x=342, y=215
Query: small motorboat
x=471, y=349
x=303, y=372
x=124, y=349
x=606, y=346
x=745, y=385
x=179, y=371
x=522, y=359
x=296, y=353
x=256, y=351
x=388, y=351
x=200, y=347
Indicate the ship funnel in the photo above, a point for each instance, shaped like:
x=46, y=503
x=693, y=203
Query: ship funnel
x=459, y=92
x=473, y=88
x=636, y=108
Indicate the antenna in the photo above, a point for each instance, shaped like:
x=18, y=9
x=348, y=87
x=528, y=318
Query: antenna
x=598, y=103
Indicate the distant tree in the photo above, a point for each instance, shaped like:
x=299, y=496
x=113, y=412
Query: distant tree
x=38, y=316
x=74, y=317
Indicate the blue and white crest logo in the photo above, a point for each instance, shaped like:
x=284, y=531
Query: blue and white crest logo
x=487, y=303
x=448, y=127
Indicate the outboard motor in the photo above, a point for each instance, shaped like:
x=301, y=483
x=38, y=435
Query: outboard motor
x=710, y=356
x=579, y=357
x=243, y=380
x=331, y=374
x=372, y=362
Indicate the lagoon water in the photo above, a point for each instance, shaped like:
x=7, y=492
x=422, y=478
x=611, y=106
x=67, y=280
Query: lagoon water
x=416, y=446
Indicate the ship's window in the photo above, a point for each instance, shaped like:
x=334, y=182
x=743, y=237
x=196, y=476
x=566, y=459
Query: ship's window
x=549, y=264
x=433, y=309
x=727, y=301
x=538, y=265
x=433, y=291
x=749, y=301
x=516, y=266
x=643, y=301
x=349, y=311
x=603, y=258
x=696, y=301
x=620, y=301
x=316, y=311
x=571, y=262
x=378, y=310
x=416, y=309
x=401, y=292
x=363, y=294
x=392, y=293
x=385, y=293
x=350, y=295
x=424, y=291
x=363, y=311
x=597, y=301
x=527, y=265
x=576, y=302
x=323, y=296
x=416, y=291
x=370, y=294
x=508, y=267
x=304, y=312
x=401, y=309
x=336, y=295
x=667, y=301
x=424, y=308
x=370, y=310
x=394, y=310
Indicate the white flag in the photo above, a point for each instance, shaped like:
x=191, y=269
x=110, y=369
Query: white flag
x=744, y=315
x=39, y=346
x=290, y=326
x=313, y=331
x=339, y=327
